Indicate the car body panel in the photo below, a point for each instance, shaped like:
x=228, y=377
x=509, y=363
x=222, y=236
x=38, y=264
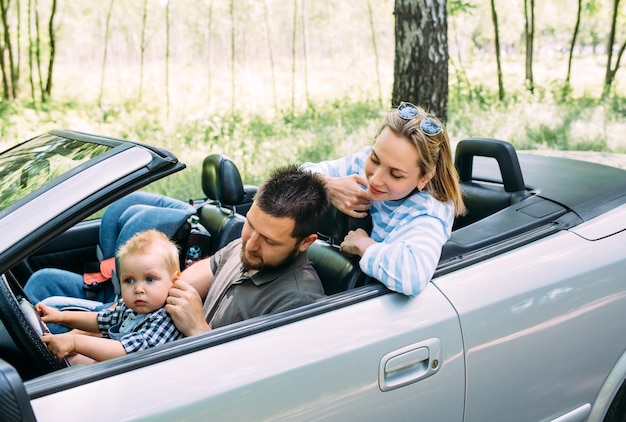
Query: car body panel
x=522, y=321
x=323, y=367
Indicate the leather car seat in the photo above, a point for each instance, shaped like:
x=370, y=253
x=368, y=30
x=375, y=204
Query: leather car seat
x=224, y=189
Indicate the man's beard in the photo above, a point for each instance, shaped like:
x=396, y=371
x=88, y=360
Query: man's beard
x=288, y=260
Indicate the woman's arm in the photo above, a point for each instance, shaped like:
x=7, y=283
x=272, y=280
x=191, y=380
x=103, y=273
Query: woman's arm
x=345, y=182
x=406, y=258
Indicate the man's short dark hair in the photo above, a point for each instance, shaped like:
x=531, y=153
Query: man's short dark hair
x=299, y=195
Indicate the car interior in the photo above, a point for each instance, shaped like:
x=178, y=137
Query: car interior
x=494, y=205
x=493, y=200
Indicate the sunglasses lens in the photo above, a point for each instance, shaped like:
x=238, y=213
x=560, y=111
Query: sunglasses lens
x=430, y=126
x=408, y=111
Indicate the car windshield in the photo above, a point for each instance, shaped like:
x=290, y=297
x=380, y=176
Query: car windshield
x=31, y=165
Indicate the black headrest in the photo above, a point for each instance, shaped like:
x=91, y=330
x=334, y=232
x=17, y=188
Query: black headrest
x=502, y=151
x=336, y=225
x=221, y=180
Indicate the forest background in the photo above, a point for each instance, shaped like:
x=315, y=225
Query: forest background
x=273, y=82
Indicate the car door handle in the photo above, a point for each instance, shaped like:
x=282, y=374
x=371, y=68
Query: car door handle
x=409, y=364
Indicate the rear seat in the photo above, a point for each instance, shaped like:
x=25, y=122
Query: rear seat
x=484, y=197
x=221, y=183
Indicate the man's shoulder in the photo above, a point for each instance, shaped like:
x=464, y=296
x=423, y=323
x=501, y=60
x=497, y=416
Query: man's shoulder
x=302, y=279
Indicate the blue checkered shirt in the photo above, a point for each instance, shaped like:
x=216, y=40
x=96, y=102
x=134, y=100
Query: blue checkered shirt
x=157, y=327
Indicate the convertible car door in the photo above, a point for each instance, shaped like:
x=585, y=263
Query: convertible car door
x=382, y=357
x=543, y=326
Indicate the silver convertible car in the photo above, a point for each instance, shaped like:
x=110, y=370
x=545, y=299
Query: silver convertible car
x=524, y=320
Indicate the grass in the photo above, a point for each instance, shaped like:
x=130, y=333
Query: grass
x=332, y=122
x=325, y=129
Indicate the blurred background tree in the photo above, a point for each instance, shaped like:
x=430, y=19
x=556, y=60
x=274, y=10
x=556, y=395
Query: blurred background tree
x=269, y=82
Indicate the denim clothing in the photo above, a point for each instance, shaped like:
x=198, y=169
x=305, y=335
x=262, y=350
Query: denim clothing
x=133, y=213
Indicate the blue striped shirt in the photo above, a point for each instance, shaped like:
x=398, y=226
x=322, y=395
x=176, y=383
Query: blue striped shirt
x=410, y=232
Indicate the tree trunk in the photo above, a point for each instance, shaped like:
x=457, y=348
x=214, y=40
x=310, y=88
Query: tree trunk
x=232, y=56
x=494, y=18
x=610, y=69
x=373, y=30
x=421, y=55
x=293, y=56
x=304, y=54
x=11, y=83
x=268, y=35
x=18, y=64
x=209, y=54
x=38, y=48
x=51, y=56
x=142, y=46
x=167, y=60
x=105, y=52
x=574, y=36
x=529, y=32
x=31, y=68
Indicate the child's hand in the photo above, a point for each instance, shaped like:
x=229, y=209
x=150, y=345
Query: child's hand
x=49, y=314
x=61, y=345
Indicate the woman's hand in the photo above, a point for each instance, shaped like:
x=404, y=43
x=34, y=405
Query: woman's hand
x=356, y=242
x=185, y=307
x=348, y=196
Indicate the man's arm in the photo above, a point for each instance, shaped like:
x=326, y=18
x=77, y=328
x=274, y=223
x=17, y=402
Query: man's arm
x=199, y=276
x=185, y=307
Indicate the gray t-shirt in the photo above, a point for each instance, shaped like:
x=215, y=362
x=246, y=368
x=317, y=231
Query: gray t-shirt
x=234, y=297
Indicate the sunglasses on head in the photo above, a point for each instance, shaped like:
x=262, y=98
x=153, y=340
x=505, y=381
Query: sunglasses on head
x=429, y=126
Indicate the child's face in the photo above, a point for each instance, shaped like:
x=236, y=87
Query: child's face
x=146, y=281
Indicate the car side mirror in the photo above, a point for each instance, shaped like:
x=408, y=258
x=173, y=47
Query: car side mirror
x=14, y=402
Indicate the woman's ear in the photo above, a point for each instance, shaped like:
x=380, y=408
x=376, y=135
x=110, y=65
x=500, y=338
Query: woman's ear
x=424, y=180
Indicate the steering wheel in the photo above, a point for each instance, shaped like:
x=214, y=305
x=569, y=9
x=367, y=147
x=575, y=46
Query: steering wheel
x=25, y=327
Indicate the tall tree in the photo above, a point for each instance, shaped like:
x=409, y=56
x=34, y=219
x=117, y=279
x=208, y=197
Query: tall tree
x=167, y=59
x=421, y=55
x=52, y=52
x=268, y=35
x=38, y=47
x=529, y=32
x=293, y=56
x=611, y=69
x=9, y=76
x=370, y=14
x=496, y=30
x=304, y=54
x=231, y=9
x=142, y=46
x=209, y=52
x=456, y=8
x=573, y=44
x=30, y=53
x=107, y=32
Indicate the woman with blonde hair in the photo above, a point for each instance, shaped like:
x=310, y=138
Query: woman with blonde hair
x=408, y=183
